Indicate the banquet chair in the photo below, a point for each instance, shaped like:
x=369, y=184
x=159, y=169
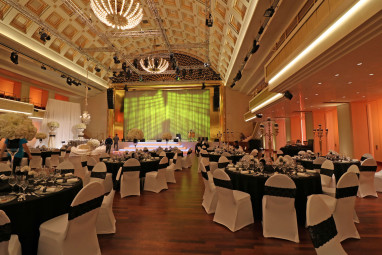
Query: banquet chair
x=105, y=223
x=366, y=178
x=103, y=156
x=98, y=174
x=210, y=198
x=366, y=156
x=279, y=159
x=170, y=169
x=279, y=213
x=54, y=159
x=91, y=163
x=156, y=181
x=354, y=169
x=130, y=182
x=9, y=244
x=35, y=162
x=317, y=163
x=162, y=154
x=187, y=160
x=234, y=208
x=326, y=174
x=203, y=157
x=222, y=163
x=378, y=181
x=240, y=149
x=254, y=152
x=78, y=169
x=178, y=160
x=322, y=227
x=66, y=167
x=5, y=169
x=75, y=231
x=84, y=164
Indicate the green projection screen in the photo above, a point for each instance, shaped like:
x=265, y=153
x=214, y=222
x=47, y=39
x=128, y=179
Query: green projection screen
x=174, y=111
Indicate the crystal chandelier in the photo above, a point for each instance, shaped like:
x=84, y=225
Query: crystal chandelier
x=154, y=65
x=117, y=13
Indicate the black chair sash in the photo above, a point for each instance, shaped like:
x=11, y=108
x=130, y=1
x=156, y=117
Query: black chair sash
x=78, y=210
x=174, y=161
x=36, y=153
x=66, y=171
x=223, y=183
x=189, y=152
x=317, y=166
x=323, y=232
x=161, y=166
x=205, y=175
x=84, y=163
x=205, y=155
x=6, y=172
x=90, y=168
x=4, y=159
x=368, y=168
x=55, y=153
x=207, y=167
x=346, y=192
x=223, y=164
x=279, y=192
x=5, y=232
x=100, y=175
x=52, y=135
x=131, y=168
x=327, y=172
x=363, y=158
x=180, y=154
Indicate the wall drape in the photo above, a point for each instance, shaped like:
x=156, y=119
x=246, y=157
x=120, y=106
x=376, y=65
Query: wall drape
x=67, y=114
x=174, y=111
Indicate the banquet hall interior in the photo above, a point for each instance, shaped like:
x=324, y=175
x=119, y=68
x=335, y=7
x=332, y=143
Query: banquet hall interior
x=198, y=127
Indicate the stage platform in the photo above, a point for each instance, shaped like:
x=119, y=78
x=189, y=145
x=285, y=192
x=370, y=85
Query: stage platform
x=151, y=145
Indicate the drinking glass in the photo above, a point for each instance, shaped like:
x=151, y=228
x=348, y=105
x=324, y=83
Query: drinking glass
x=23, y=184
x=12, y=182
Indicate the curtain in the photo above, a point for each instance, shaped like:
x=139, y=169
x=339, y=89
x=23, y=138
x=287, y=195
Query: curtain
x=67, y=114
x=174, y=111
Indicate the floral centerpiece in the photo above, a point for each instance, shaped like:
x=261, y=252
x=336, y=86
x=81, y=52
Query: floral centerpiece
x=93, y=143
x=16, y=126
x=135, y=133
x=80, y=126
x=41, y=136
x=80, y=129
x=53, y=125
x=167, y=136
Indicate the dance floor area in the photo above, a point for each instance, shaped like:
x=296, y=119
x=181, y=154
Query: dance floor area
x=174, y=222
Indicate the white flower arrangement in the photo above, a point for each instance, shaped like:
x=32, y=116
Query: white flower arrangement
x=167, y=136
x=94, y=143
x=85, y=118
x=16, y=126
x=25, y=169
x=80, y=126
x=135, y=133
x=53, y=124
x=41, y=136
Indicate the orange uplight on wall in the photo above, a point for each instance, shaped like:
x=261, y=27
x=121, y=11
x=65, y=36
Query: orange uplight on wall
x=61, y=97
x=9, y=87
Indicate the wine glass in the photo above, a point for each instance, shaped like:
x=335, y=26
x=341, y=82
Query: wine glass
x=23, y=184
x=18, y=183
x=12, y=183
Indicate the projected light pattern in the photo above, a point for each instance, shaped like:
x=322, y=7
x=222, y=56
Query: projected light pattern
x=156, y=112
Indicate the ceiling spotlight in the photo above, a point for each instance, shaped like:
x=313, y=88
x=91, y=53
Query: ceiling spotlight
x=360, y=63
x=135, y=63
x=206, y=64
x=233, y=84
x=97, y=69
x=238, y=76
x=44, y=36
x=288, y=95
x=15, y=58
x=209, y=21
x=371, y=74
x=69, y=81
x=261, y=30
x=124, y=66
x=337, y=75
x=259, y=115
x=116, y=60
x=269, y=12
x=63, y=76
x=203, y=85
x=43, y=67
x=89, y=88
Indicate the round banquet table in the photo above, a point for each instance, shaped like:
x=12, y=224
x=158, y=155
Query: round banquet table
x=27, y=216
x=340, y=167
x=169, y=154
x=146, y=166
x=254, y=186
x=215, y=158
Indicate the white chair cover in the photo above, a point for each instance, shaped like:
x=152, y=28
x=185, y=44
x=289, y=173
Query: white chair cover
x=9, y=244
x=203, y=156
x=105, y=223
x=170, y=176
x=130, y=182
x=91, y=163
x=78, y=169
x=254, y=152
x=98, y=174
x=234, y=208
x=326, y=174
x=162, y=154
x=156, y=181
x=84, y=164
x=210, y=198
x=5, y=169
x=75, y=232
x=354, y=169
x=366, y=156
x=66, y=167
x=103, y=155
x=178, y=160
x=35, y=162
x=322, y=227
x=54, y=159
x=279, y=213
x=366, y=178
x=317, y=163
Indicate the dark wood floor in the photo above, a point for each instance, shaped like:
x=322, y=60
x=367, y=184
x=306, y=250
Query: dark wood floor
x=174, y=222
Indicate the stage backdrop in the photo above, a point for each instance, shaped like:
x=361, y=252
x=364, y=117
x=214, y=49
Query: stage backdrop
x=174, y=111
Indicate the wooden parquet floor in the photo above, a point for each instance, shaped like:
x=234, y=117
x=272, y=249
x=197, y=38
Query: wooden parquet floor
x=174, y=222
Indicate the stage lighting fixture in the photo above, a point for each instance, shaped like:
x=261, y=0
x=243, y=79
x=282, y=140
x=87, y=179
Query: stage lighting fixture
x=259, y=115
x=173, y=65
x=203, y=85
x=246, y=59
x=124, y=66
x=97, y=69
x=43, y=67
x=172, y=59
x=233, y=85
x=69, y=81
x=177, y=71
x=288, y=95
x=15, y=58
x=209, y=21
x=269, y=12
x=206, y=64
x=63, y=76
x=255, y=47
x=89, y=88
x=238, y=76
x=261, y=30
x=116, y=60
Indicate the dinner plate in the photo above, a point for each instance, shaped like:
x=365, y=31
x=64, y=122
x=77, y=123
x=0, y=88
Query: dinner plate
x=6, y=198
x=39, y=191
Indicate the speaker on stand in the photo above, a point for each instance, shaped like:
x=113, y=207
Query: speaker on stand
x=110, y=98
x=216, y=98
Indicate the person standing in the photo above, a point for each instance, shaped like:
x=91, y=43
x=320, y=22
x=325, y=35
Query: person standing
x=16, y=144
x=108, y=143
x=116, y=139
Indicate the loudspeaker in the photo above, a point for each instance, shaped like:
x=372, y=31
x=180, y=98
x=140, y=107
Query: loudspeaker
x=110, y=98
x=176, y=140
x=216, y=99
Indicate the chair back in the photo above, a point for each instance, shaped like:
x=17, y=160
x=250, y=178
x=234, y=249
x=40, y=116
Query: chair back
x=162, y=154
x=103, y=156
x=82, y=218
x=5, y=169
x=326, y=172
x=366, y=156
x=246, y=158
x=226, y=154
x=223, y=186
x=353, y=169
x=302, y=153
x=318, y=162
x=131, y=168
x=98, y=173
x=91, y=163
x=66, y=167
x=280, y=192
x=5, y=231
x=35, y=162
x=223, y=162
x=163, y=163
x=367, y=178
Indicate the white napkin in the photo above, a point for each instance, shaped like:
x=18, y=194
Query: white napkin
x=68, y=174
x=232, y=168
x=302, y=174
x=71, y=180
x=50, y=189
x=245, y=172
x=310, y=171
x=3, y=177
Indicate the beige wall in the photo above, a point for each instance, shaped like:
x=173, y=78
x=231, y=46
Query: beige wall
x=236, y=106
x=97, y=108
x=345, y=129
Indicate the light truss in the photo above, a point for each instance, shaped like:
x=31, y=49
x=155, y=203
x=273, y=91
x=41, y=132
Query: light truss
x=143, y=33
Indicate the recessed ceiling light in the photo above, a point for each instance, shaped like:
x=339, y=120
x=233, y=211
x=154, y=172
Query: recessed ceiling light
x=337, y=74
x=319, y=83
x=371, y=74
x=331, y=100
x=344, y=97
x=306, y=98
x=316, y=94
x=318, y=108
x=350, y=82
x=358, y=92
x=363, y=96
x=360, y=63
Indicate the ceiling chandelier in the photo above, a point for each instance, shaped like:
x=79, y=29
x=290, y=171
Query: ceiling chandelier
x=117, y=13
x=154, y=65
